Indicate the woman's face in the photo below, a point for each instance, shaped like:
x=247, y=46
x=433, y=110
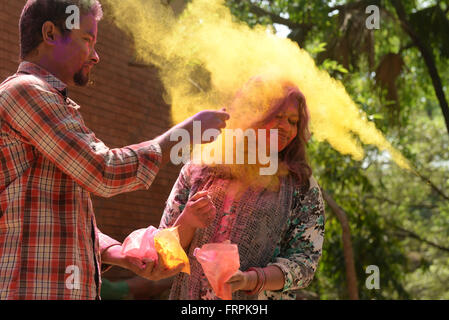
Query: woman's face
x=286, y=122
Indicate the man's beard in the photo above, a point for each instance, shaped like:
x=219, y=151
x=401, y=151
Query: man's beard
x=80, y=79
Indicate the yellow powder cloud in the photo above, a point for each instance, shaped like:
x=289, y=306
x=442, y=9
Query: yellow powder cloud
x=205, y=56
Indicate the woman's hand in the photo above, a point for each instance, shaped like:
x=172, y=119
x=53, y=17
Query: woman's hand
x=240, y=280
x=199, y=211
x=248, y=280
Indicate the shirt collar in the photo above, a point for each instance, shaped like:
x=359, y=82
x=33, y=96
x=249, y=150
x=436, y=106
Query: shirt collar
x=34, y=69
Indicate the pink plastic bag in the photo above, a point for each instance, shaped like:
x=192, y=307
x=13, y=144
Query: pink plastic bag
x=219, y=261
x=140, y=244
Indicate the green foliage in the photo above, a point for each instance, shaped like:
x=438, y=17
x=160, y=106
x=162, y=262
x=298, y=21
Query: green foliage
x=432, y=25
x=379, y=198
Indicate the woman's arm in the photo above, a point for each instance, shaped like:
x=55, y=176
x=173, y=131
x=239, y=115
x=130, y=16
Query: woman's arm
x=199, y=212
x=249, y=280
x=300, y=251
x=301, y=247
x=186, y=213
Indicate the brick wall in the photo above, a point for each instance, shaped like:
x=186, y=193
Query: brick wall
x=124, y=106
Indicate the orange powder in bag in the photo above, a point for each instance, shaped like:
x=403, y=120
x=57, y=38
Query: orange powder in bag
x=167, y=244
x=219, y=261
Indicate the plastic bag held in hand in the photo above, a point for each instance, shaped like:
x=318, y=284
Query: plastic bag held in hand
x=140, y=244
x=170, y=250
x=219, y=261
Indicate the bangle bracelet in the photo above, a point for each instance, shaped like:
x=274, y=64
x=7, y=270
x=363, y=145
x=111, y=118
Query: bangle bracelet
x=262, y=286
x=259, y=283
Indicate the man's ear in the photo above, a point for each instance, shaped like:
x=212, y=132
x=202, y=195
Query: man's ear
x=50, y=33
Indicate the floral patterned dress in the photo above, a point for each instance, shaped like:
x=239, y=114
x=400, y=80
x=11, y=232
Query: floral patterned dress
x=292, y=240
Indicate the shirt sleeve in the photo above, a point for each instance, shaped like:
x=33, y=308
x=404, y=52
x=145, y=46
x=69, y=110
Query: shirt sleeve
x=301, y=246
x=57, y=131
x=177, y=199
x=105, y=242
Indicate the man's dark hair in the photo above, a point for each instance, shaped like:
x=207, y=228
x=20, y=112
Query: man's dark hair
x=36, y=12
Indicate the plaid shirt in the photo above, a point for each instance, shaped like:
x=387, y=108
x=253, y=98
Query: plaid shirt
x=50, y=162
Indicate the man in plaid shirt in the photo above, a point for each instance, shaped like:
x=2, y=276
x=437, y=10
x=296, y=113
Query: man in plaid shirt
x=50, y=247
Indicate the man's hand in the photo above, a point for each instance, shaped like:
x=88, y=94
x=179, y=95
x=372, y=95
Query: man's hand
x=210, y=119
x=150, y=270
x=147, y=268
x=246, y=281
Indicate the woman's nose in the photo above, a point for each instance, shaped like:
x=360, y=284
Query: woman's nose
x=283, y=124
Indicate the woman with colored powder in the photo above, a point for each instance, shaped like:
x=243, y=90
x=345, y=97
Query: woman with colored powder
x=277, y=221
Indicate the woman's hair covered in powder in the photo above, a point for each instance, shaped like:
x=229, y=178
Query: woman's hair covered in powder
x=264, y=98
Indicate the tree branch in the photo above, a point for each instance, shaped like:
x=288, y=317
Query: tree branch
x=413, y=235
x=431, y=184
x=428, y=59
x=424, y=206
x=258, y=11
x=353, y=5
x=351, y=276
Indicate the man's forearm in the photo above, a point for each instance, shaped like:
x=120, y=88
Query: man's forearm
x=113, y=256
x=166, y=144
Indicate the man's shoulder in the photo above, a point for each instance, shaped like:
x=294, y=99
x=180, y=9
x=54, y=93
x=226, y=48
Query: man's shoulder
x=19, y=82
